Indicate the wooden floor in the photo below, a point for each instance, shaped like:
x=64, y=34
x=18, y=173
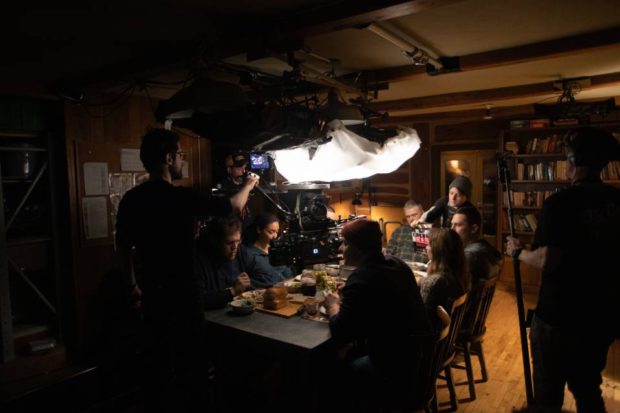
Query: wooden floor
x=505, y=389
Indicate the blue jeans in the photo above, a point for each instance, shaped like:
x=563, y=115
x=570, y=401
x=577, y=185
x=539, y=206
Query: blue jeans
x=568, y=356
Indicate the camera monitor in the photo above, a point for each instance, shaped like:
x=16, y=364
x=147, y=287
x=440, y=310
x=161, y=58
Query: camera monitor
x=259, y=161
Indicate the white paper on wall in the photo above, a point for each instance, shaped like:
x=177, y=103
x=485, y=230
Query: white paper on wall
x=96, y=178
x=95, y=216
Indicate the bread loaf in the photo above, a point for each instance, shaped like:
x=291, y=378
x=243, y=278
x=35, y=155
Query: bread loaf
x=275, y=298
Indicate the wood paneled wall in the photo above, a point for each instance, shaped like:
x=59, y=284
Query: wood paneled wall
x=124, y=127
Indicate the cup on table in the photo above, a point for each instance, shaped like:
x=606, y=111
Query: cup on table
x=311, y=306
x=308, y=287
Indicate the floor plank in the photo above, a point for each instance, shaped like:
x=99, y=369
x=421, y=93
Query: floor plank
x=505, y=389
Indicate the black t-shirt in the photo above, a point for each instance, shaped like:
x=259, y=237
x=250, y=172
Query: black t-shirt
x=583, y=222
x=443, y=210
x=157, y=219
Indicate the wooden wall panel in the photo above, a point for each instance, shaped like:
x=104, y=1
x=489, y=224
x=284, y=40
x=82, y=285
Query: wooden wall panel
x=469, y=131
x=124, y=127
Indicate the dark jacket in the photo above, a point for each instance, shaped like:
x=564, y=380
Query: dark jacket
x=381, y=304
x=443, y=210
x=217, y=275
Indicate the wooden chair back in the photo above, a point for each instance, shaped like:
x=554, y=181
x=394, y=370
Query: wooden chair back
x=433, y=364
x=456, y=317
x=479, y=310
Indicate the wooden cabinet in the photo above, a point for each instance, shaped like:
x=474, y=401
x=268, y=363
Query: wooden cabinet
x=29, y=250
x=538, y=169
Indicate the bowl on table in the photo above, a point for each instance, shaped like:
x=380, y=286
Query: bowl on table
x=242, y=307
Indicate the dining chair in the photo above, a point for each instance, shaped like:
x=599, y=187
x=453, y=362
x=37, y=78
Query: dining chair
x=449, y=351
x=471, y=335
x=426, y=400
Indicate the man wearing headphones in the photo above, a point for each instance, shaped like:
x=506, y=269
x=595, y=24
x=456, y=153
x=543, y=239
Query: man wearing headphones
x=236, y=169
x=236, y=165
x=576, y=246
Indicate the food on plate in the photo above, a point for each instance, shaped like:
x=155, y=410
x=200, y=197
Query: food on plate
x=256, y=295
x=242, y=306
x=275, y=298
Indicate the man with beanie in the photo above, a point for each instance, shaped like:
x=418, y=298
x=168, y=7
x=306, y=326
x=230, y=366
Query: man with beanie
x=576, y=246
x=458, y=196
x=381, y=307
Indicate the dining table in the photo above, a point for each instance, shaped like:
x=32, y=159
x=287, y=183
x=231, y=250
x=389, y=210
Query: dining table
x=269, y=359
x=268, y=333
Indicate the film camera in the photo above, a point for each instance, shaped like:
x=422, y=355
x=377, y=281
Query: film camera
x=309, y=238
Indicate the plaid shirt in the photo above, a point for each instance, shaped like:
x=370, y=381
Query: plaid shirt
x=401, y=244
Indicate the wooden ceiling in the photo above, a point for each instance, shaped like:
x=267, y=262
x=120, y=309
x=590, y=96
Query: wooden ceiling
x=509, y=53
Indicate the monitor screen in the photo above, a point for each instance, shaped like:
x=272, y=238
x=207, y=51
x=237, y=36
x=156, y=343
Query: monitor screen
x=259, y=160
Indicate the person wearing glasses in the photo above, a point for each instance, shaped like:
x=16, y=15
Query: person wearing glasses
x=155, y=234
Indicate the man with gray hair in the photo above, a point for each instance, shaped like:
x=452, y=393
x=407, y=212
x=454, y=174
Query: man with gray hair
x=401, y=242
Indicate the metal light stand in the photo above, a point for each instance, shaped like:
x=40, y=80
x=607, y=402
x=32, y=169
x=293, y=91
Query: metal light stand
x=504, y=174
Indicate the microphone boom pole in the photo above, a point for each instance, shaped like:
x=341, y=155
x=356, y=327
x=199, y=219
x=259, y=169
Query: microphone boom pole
x=516, y=265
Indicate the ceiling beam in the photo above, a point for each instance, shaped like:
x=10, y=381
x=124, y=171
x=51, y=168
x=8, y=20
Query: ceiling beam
x=519, y=54
x=485, y=95
x=504, y=112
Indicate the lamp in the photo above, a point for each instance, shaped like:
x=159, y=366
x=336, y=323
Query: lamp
x=336, y=109
x=487, y=112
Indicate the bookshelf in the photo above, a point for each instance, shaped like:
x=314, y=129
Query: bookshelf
x=538, y=169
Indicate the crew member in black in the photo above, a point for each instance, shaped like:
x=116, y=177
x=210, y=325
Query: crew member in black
x=458, y=196
x=576, y=245
x=157, y=219
x=236, y=170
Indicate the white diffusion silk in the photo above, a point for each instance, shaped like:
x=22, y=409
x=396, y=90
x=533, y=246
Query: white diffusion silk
x=346, y=156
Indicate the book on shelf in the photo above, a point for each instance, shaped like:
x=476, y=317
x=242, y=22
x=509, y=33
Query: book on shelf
x=611, y=171
x=511, y=146
x=520, y=171
x=539, y=123
x=541, y=171
x=521, y=223
x=532, y=222
x=566, y=122
x=548, y=144
x=519, y=124
x=529, y=199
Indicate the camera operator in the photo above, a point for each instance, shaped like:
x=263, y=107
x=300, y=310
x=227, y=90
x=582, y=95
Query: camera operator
x=576, y=245
x=236, y=170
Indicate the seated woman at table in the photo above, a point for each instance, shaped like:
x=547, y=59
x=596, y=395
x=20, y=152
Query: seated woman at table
x=222, y=270
x=256, y=241
x=381, y=306
x=448, y=277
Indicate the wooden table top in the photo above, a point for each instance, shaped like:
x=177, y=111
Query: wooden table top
x=293, y=332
